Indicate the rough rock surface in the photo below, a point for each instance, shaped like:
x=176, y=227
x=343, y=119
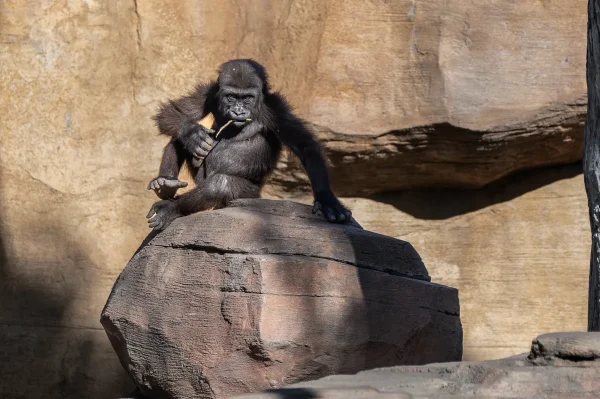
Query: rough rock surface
x=263, y=294
x=572, y=376
x=518, y=252
x=565, y=348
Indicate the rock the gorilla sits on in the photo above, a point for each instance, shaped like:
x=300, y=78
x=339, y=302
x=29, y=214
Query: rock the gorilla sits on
x=247, y=150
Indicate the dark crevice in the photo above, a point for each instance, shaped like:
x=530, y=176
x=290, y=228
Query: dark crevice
x=456, y=314
x=425, y=203
x=209, y=249
x=443, y=154
x=138, y=24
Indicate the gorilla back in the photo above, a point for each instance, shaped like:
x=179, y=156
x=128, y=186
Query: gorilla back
x=237, y=165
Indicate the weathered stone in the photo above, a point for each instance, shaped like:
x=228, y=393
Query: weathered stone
x=264, y=293
x=518, y=251
x=260, y=235
x=566, y=347
x=515, y=377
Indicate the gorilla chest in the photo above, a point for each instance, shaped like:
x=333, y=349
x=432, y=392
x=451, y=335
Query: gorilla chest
x=252, y=157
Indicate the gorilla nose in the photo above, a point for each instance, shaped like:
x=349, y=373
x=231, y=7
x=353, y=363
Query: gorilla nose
x=239, y=113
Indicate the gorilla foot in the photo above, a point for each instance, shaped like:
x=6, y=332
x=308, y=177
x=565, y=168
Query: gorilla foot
x=165, y=188
x=162, y=214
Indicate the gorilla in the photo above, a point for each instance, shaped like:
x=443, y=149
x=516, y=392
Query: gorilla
x=236, y=165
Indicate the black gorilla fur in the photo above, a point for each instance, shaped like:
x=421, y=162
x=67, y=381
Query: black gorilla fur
x=247, y=151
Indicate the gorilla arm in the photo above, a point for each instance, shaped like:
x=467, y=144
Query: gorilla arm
x=174, y=113
x=178, y=119
x=294, y=134
x=167, y=182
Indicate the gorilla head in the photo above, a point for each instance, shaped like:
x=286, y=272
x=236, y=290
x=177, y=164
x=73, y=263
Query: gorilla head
x=243, y=85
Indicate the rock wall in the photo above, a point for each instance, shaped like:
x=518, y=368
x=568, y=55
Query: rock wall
x=411, y=93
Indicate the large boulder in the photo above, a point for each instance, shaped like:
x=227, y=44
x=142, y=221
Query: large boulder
x=559, y=365
x=264, y=293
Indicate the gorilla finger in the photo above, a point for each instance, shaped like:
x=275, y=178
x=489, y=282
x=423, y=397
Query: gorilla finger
x=341, y=217
x=330, y=215
x=175, y=183
x=206, y=146
x=155, y=185
x=209, y=140
x=195, y=140
x=160, y=181
x=316, y=207
x=200, y=152
x=348, y=214
x=199, y=149
x=151, y=212
x=206, y=130
x=153, y=224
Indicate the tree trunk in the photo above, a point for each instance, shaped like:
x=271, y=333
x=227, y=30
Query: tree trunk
x=591, y=160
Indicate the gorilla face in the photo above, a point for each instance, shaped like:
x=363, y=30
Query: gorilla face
x=241, y=90
x=239, y=105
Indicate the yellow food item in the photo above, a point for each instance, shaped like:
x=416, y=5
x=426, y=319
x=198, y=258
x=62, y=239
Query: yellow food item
x=209, y=122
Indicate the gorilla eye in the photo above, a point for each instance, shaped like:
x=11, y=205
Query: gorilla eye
x=230, y=99
x=248, y=99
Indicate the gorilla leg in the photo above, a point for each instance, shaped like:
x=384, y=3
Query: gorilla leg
x=216, y=192
x=213, y=193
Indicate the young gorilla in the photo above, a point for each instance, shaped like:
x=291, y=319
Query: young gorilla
x=246, y=153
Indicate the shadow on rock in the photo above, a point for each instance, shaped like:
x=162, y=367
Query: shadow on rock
x=441, y=203
x=293, y=393
x=47, y=350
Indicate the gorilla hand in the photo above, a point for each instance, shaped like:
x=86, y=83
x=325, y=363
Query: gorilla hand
x=196, y=139
x=162, y=214
x=166, y=187
x=331, y=208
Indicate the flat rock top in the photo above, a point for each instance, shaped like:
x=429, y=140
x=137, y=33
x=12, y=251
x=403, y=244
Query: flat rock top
x=575, y=374
x=260, y=226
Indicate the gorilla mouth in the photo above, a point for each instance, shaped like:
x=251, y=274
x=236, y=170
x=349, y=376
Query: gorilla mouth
x=241, y=122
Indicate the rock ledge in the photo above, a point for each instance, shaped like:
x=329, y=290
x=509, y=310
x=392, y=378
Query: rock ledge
x=560, y=365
